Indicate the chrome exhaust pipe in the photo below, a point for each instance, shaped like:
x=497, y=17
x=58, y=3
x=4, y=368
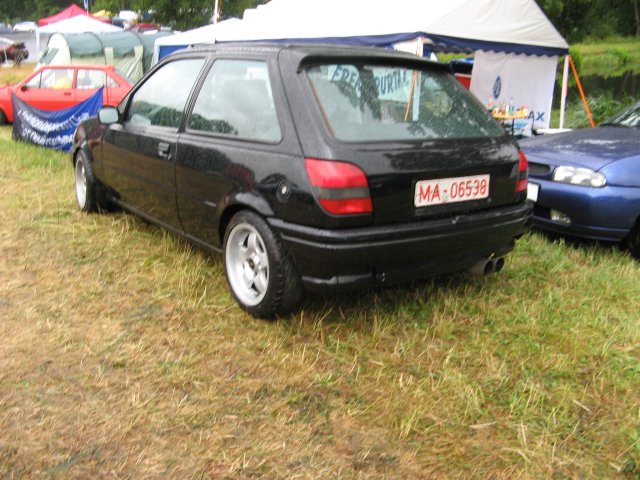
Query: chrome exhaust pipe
x=487, y=266
x=482, y=268
x=498, y=264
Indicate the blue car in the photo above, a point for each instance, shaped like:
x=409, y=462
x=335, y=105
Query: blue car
x=586, y=183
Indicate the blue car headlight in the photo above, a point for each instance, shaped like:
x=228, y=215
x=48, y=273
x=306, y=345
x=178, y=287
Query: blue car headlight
x=579, y=176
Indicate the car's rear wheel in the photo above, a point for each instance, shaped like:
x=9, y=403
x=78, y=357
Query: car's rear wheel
x=87, y=187
x=3, y=118
x=259, y=270
x=633, y=240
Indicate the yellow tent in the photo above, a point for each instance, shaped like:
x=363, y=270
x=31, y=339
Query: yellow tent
x=103, y=14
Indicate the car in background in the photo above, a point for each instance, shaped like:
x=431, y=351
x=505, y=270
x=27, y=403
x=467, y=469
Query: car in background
x=5, y=28
x=309, y=167
x=144, y=27
x=586, y=183
x=27, y=26
x=11, y=51
x=56, y=87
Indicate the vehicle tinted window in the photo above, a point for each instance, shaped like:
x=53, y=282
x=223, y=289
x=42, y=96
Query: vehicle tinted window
x=236, y=99
x=628, y=118
x=160, y=101
x=93, y=79
x=373, y=102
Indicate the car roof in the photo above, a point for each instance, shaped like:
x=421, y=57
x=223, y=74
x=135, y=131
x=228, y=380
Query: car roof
x=304, y=51
x=93, y=66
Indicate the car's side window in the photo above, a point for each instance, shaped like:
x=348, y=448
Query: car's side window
x=56, y=78
x=88, y=78
x=161, y=100
x=35, y=81
x=236, y=99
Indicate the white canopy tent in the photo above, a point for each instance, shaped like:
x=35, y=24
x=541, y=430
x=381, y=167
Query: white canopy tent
x=508, y=27
x=515, y=26
x=169, y=44
x=77, y=24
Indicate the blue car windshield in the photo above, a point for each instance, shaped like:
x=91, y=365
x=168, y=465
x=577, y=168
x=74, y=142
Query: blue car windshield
x=627, y=118
x=389, y=103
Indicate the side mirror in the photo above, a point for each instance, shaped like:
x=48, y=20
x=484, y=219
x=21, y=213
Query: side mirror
x=108, y=115
x=23, y=88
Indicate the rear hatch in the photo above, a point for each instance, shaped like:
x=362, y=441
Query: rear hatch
x=439, y=178
x=426, y=146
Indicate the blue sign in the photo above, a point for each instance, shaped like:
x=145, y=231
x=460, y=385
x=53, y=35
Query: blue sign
x=52, y=129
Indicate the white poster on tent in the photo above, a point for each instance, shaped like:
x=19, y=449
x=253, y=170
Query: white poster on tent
x=526, y=80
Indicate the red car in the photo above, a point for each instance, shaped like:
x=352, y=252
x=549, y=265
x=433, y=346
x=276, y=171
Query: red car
x=56, y=87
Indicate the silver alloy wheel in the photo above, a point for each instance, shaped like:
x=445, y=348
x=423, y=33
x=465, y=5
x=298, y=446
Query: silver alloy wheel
x=247, y=264
x=81, y=183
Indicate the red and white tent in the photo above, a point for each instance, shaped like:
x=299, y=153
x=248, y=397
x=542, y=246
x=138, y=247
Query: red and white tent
x=71, y=11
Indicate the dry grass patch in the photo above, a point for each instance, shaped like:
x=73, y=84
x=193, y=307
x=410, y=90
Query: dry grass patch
x=122, y=354
x=14, y=73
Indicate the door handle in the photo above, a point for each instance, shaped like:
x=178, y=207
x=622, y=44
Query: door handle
x=164, y=150
x=67, y=94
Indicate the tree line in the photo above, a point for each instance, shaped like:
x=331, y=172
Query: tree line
x=576, y=20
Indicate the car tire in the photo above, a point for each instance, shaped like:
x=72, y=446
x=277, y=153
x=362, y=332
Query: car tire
x=88, y=194
x=633, y=240
x=259, y=270
x=3, y=118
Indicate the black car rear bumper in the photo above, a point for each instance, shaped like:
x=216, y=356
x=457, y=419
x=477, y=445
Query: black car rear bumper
x=356, y=258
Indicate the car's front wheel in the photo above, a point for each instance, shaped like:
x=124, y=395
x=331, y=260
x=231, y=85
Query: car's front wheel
x=259, y=270
x=633, y=240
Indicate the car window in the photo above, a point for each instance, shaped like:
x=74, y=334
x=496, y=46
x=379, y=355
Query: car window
x=380, y=102
x=35, y=81
x=161, y=99
x=627, y=118
x=88, y=78
x=236, y=99
x=57, y=78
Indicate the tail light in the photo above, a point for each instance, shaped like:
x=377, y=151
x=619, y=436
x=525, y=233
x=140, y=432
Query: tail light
x=523, y=172
x=342, y=188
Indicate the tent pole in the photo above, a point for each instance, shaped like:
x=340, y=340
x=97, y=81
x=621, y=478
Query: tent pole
x=216, y=6
x=584, y=97
x=563, y=91
x=37, y=45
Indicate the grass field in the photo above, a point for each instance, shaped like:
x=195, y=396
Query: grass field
x=123, y=355
x=608, y=57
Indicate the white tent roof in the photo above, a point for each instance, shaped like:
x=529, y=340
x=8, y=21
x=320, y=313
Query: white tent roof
x=517, y=26
x=191, y=37
x=79, y=24
x=497, y=24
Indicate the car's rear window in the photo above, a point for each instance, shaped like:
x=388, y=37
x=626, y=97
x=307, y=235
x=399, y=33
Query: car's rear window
x=363, y=102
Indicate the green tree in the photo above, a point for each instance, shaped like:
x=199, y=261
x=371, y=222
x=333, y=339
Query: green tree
x=18, y=10
x=577, y=20
x=180, y=14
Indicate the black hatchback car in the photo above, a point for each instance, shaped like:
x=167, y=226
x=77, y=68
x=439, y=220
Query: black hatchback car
x=311, y=167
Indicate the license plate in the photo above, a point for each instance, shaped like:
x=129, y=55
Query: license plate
x=532, y=191
x=451, y=190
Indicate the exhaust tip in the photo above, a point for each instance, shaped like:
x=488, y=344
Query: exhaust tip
x=498, y=264
x=482, y=268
